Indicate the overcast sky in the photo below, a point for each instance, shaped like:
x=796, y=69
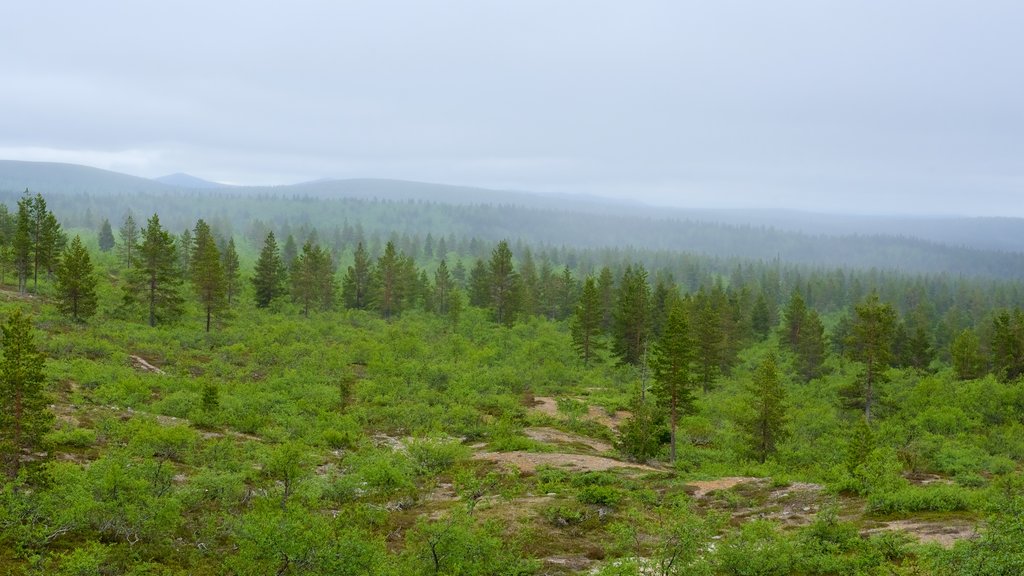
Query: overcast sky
x=863, y=106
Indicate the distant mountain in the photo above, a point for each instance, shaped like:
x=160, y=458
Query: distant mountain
x=54, y=177
x=182, y=180
x=1000, y=234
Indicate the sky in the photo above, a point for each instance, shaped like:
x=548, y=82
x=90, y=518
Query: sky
x=907, y=106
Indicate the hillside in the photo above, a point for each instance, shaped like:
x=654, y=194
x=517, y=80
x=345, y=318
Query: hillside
x=385, y=207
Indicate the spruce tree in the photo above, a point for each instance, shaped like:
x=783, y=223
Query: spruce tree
x=870, y=343
x=106, y=236
x=186, y=246
x=290, y=252
x=479, y=284
x=810, y=351
x=207, y=273
x=504, y=285
x=632, y=317
x=129, y=233
x=388, y=282
x=761, y=317
x=76, y=282
x=358, y=282
x=232, y=276
x=24, y=414
x=155, y=278
x=23, y=243
x=586, y=322
x=52, y=241
x=606, y=290
x=707, y=329
x=766, y=426
x=443, y=288
x=673, y=368
x=312, y=279
x=966, y=354
x=269, y=276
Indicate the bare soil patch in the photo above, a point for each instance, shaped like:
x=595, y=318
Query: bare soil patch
x=530, y=461
x=553, y=436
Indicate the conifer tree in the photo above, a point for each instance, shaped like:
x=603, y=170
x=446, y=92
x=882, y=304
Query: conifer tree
x=479, y=284
x=1007, y=344
x=708, y=333
x=794, y=317
x=155, y=279
x=632, y=316
x=207, y=273
x=673, y=368
x=388, y=281
x=23, y=243
x=761, y=317
x=106, y=236
x=640, y=435
x=232, y=276
x=76, y=282
x=586, y=322
x=269, y=276
x=52, y=241
x=606, y=290
x=870, y=343
x=443, y=287
x=312, y=279
x=766, y=426
x=357, y=285
x=290, y=252
x=504, y=285
x=24, y=414
x=129, y=233
x=810, y=351
x=966, y=354
x=186, y=246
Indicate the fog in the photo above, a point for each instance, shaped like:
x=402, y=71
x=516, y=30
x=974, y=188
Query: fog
x=866, y=107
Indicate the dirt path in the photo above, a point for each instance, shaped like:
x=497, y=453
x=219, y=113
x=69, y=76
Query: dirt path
x=530, y=461
x=553, y=436
x=703, y=487
x=548, y=406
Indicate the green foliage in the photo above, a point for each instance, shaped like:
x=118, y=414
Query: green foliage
x=154, y=277
x=24, y=415
x=766, y=426
x=269, y=276
x=673, y=368
x=76, y=282
x=207, y=273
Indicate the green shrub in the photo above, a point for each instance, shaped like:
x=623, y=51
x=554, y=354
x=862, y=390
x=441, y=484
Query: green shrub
x=934, y=498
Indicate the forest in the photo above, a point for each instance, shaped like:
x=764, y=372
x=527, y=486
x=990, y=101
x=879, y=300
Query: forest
x=301, y=386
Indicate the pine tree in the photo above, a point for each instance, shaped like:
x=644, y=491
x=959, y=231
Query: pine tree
x=129, y=233
x=207, y=273
x=870, y=343
x=632, y=316
x=761, y=317
x=673, y=368
x=966, y=354
x=794, y=317
x=290, y=252
x=479, y=284
x=357, y=285
x=76, y=282
x=269, y=276
x=586, y=322
x=232, y=276
x=443, y=288
x=186, y=245
x=23, y=243
x=1007, y=344
x=606, y=290
x=766, y=426
x=810, y=351
x=106, y=236
x=24, y=414
x=312, y=279
x=155, y=278
x=52, y=241
x=388, y=281
x=504, y=285
x=707, y=329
